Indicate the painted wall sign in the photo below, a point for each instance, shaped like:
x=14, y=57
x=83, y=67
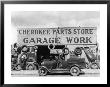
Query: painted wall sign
x=64, y=35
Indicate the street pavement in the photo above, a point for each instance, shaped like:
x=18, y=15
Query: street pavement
x=33, y=73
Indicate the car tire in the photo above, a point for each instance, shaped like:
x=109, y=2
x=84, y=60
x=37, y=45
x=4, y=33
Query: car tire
x=65, y=51
x=75, y=71
x=42, y=71
x=94, y=66
x=12, y=67
x=30, y=67
x=78, y=51
x=18, y=67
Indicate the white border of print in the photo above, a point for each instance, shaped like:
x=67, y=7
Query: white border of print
x=102, y=79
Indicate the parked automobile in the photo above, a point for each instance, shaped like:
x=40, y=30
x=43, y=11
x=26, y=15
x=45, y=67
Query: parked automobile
x=57, y=64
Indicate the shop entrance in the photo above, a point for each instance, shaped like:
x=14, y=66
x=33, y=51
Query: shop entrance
x=59, y=46
x=43, y=52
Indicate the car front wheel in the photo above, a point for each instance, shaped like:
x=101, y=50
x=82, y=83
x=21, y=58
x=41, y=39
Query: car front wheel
x=42, y=71
x=75, y=71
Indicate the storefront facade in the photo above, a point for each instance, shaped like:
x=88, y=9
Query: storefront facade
x=70, y=37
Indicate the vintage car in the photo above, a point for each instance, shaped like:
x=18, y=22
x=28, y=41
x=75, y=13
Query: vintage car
x=57, y=64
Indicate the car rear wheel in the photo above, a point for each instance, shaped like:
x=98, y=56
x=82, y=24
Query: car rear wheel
x=42, y=71
x=75, y=71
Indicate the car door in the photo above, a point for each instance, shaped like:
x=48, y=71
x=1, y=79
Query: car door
x=63, y=64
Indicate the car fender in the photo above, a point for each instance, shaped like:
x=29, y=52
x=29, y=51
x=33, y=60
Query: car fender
x=45, y=68
x=74, y=65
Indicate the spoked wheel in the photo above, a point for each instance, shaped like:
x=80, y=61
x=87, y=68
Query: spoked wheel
x=94, y=66
x=75, y=71
x=30, y=67
x=78, y=51
x=42, y=71
x=18, y=67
